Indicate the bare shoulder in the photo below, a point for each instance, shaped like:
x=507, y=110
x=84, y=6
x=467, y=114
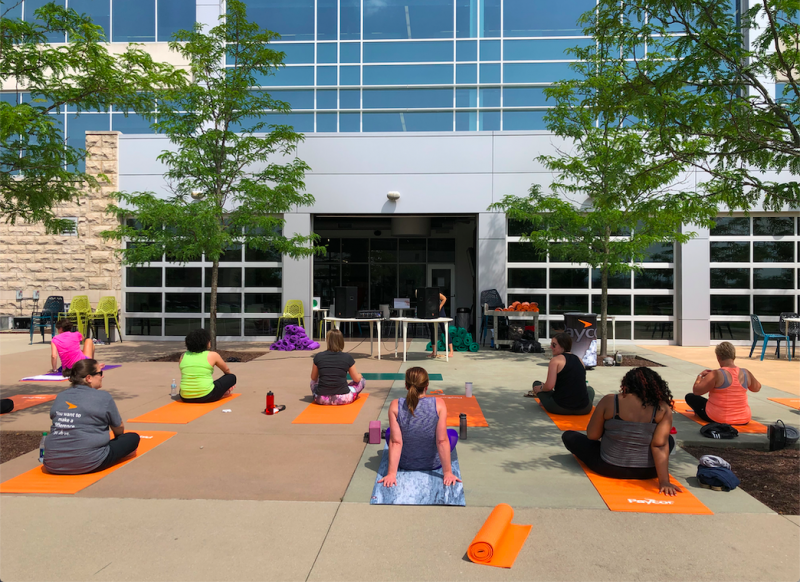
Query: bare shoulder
x=393, y=406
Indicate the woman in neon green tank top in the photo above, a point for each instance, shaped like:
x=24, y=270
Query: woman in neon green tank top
x=197, y=370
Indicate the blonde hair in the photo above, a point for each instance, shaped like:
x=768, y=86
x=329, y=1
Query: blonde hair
x=416, y=384
x=725, y=351
x=335, y=341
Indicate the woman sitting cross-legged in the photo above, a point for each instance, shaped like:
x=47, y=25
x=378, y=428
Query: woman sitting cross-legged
x=418, y=437
x=66, y=346
x=329, y=373
x=565, y=391
x=726, y=388
x=197, y=370
x=82, y=415
x=628, y=434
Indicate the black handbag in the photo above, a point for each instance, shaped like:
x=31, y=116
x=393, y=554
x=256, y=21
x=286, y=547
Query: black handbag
x=776, y=434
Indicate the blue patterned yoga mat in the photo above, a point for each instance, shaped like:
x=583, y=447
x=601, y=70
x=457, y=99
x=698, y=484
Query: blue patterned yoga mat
x=418, y=487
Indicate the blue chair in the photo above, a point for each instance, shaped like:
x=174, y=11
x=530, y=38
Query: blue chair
x=48, y=315
x=758, y=332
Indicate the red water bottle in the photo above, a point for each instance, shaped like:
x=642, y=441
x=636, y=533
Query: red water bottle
x=270, y=402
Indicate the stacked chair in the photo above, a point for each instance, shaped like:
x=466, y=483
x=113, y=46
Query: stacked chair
x=107, y=309
x=48, y=315
x=80, y=312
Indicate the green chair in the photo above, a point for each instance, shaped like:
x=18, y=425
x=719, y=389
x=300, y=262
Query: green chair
x=80, y=311
x=107, y=309
x=292, y=310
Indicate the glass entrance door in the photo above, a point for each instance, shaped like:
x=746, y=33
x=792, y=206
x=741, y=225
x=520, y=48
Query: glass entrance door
x=443, y=277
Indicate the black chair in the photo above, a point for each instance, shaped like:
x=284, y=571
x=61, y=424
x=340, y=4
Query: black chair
x=789, y=329
x=48, y=315
x=491, y=298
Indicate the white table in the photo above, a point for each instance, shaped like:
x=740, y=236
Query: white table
x=794, y=345
x=406, y=320
x=512, y=316
x=335, y=321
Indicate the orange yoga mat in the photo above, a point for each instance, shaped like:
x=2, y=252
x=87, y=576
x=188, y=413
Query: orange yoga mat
x=37, y=481
x=23, y=401
x=751, y=427
x=642, y=496
x=499, y=541
x=458, y=404
x=326, y=414
x=181, y=412
x=790, y=402
x=568, y=421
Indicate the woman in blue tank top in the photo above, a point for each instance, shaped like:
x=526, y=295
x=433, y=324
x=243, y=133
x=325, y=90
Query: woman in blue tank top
x=419, y=439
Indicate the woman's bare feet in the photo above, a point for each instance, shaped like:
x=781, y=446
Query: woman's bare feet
x=230, y=391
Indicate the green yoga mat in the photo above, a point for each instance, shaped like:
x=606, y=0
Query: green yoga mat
x=389, y=376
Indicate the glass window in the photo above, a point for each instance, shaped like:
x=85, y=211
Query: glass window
x=773, y=226
x=134, y=21
x=490, y=97
x=180, y=326
x=296, y=99
x=408, y=52
x=326, y=99
x=292, y=20
x=622, y=329
x=730, y=278
x=232, y=254
x=540, y=300
x=467, y=50
x=490, y=50
x=412, y=250
x=541, y=49
x=526, y=18
x=490, y=18
x=78, y=125
x=652, y=330
x=537, y=72
x=617, y=305
x=730, y=252
x=326, y=24
x=326, y=76
x=772, y=305
x=263, y=276
x=408, y=74
x=659, y=253
x=730, y=305
x=173, y=15
x=518, y=227
x=262, y=327
x=565, y=303
x=131, y=123
x=296, y=53
x=773, y=278
x=731, y=226
x=383, y=250
x=350, y=122
x=466, y=18
x=489, y=120
x=268, y=256
x=383, y=284
x=358, y=276
x=288, y=76
x=226, y=326
x=183, y=277
x=733, y=330
x=350, y=52
x=143, y=277
x=773, y=252
x=467, y=97
x=615, y=281
x=350, y=99
x=326, y=122
x=333, y=247
x=490, y=73
x=467, y=121
x=326, y=277
x=349, y=19
x=182, y=302
x=226, y=303
x=143, y=302
x=559, y=253
x=524, y=120
x=407, y=98
x=441, y=250
x=524, y=252
x=142, y=326
x=349, y=75
x=411, y=277
x=326, y=53
x=653, y=304
x=653, y=279
x=524, y=96
x=527, y=278
x=433, y=121
x=31, y=6
x=262, y=303
x=99, y=11
x=408, y=19
x=466, y=74
x=227, y=277
x=569, y=278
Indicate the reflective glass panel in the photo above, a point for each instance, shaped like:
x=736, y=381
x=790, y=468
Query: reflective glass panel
x=730, y=278
x=489, y=18
x=134, y=21
x=326, y=99
x=180, y=326
x=730, y=305
x=773, y=226
x=408, y=74
x=537, y=72
x=441, y=250
x=527, y=278
x=653, y=304
x=232, y=254
x=490, y=73
x=326, y=122
x=292, y=20
x=565, y=303
x=412, y=250
x=263, y=276
x=350, y=99
x=326, y=53
x=411, y=277
x=466, y=74
x=617, y=305
x=730, y=252
x=733, y=330
x=78, y=125
x=326, y=277
x=173, y=15
x=540, y=300
x=569, y=278
x=226, y=326
x=731, y=226
x=289, y=76
x=383, y=284
x=183, y=277
x=407, y=98
x=653, y=330
x=653, y=279
x=143, y=276
x=226, y=303
x=405, y=52
x=30, y=8
x=616, y=281
x=350, y=122
x=541, y=49
x=466, y=50
x=296, y=53
x=98, y=10
x=526, y=18
x=466, y=18
x=467, y=97
x=524, y=120
x=260, y=327
x=143, y=302
x=131, y=124
x=350, y=52
x=408, y=121
x=524, y=252
x=408, y=19
x=490, y=50
x=327, y=76
x=333, y=248
x=227, y=277
x=466, y=121
x=773, y=252
x=262, y=303
x=659, y=253
x=358, y=276
x=349, y=19
x=773, y=278
x=524, y=96
x=349, y=75
x=182, y=302
x=268, y=256
x=489, y=120
x=142, y=326
x=383, y=250
x=490, y=97
x=326, y=21
x=302, y=99
x=772, y=305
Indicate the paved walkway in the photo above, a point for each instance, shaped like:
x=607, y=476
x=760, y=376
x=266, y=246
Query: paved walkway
x=264, y=499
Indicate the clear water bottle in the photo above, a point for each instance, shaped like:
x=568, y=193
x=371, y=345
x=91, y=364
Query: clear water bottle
x=173, y=388
x=41, y=447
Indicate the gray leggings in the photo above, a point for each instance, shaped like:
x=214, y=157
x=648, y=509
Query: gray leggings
x=550, y=405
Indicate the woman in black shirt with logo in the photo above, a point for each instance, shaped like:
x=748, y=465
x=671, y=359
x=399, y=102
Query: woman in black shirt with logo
x=565, y=391
x=329, y=373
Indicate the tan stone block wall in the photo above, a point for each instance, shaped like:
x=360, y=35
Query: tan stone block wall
x=67, y=265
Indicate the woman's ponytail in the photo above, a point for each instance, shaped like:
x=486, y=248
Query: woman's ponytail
x=416, y=383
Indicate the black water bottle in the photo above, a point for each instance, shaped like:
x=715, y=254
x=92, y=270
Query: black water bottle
x=462, y=422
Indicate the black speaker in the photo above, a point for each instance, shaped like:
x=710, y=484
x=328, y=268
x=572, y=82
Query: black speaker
x=345, y=301
x=428, y=302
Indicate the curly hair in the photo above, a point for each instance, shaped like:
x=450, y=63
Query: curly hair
x=651, y=388
x=197, y=340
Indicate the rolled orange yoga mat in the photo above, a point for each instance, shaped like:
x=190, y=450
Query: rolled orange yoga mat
x=790, y=402
x=23, y=401
x=499, y=541
x=752, y=427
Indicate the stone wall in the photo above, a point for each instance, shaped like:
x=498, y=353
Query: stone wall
x=72, y=264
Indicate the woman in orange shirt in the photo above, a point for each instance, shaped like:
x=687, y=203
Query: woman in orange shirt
x=726, y=388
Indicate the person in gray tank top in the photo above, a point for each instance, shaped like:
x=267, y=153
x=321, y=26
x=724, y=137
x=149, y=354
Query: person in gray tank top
x=418, y=437
x=628, y=434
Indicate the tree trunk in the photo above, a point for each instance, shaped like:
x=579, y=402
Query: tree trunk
x=212, y=320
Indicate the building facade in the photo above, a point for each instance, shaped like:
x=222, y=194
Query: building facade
x=441, y=102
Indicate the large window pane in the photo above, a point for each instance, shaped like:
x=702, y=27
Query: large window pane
x=232, y=254
x=467, y=18
x=383, y=250
x=142, y=326
x=489, y=73
x=183, y=277
x=411, y=277
x=407, y=98
x=227, y=277
x=180, y=326
x=490, y=50
x=773, y=278
x=134, y=21
x=433, y=121
x=541, y=50
x=326, y=53
x=263, y=276
x=408, y=52
x=730, y=278
x=527, y=278
x=539, y=299
x=349, y=19
x=326, y=20
x=131, y=123
x=302, y=99
x=660, y=330
x=263, y=303
x=730, y=305
x=773, y=252
x=100, y=13
x=490, y=97
x=326, y=277
x=653, y=279
x=268, y=256
x=358, y=276
x=659, y=253
x=226, y=303
x=524, y=97
x=617, y=305
x=143, y=302
x=616, y=281
x=173, y=15
x=408, y=19
x=730, y=252
x=441, y=250
x=567, y=303
x=653, y=305
x=289, y=76
x=260, y=327
x=383, y=284
x=408, y=74
x=78, y=125
x=355, y=250
x=489, y=120
x=182, y=302
x=31, y=6
x=537, y=72
x=773, y=226
x=772, y=305
x=226, y=326
x=292, y=20
x=412, y=250
x=733, y=330
x=524, y=252
x=519, y=120
x=333, y=247
x=569, y=278
x=731, y=226
x=350, y=99
x=490, y=18
x=466, y=51
x=143, y=277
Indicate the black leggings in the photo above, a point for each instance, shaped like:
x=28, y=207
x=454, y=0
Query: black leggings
x=119, y=448
x=698, y=404
x=588, y=451
x=551, y=406
x=221, y=386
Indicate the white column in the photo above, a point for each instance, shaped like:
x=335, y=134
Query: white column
x=492, y=257
x=693, y=290
x=207, y=12
x=297, y=273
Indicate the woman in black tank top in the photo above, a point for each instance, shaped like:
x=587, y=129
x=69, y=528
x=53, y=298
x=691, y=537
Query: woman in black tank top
x=566, y=390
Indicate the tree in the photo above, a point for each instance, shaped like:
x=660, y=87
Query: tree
x=614, y=194
x=228, y=185
x=706, y=83
x=37, y=169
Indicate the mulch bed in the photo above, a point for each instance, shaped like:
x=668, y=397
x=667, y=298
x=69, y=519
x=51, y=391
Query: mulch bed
x=636, y=362
x=227, y=355
x=771, y=477
x=15, y=444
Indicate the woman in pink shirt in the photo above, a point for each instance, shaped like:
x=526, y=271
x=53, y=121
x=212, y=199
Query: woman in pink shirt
x=66, y=345
x=726, y=388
